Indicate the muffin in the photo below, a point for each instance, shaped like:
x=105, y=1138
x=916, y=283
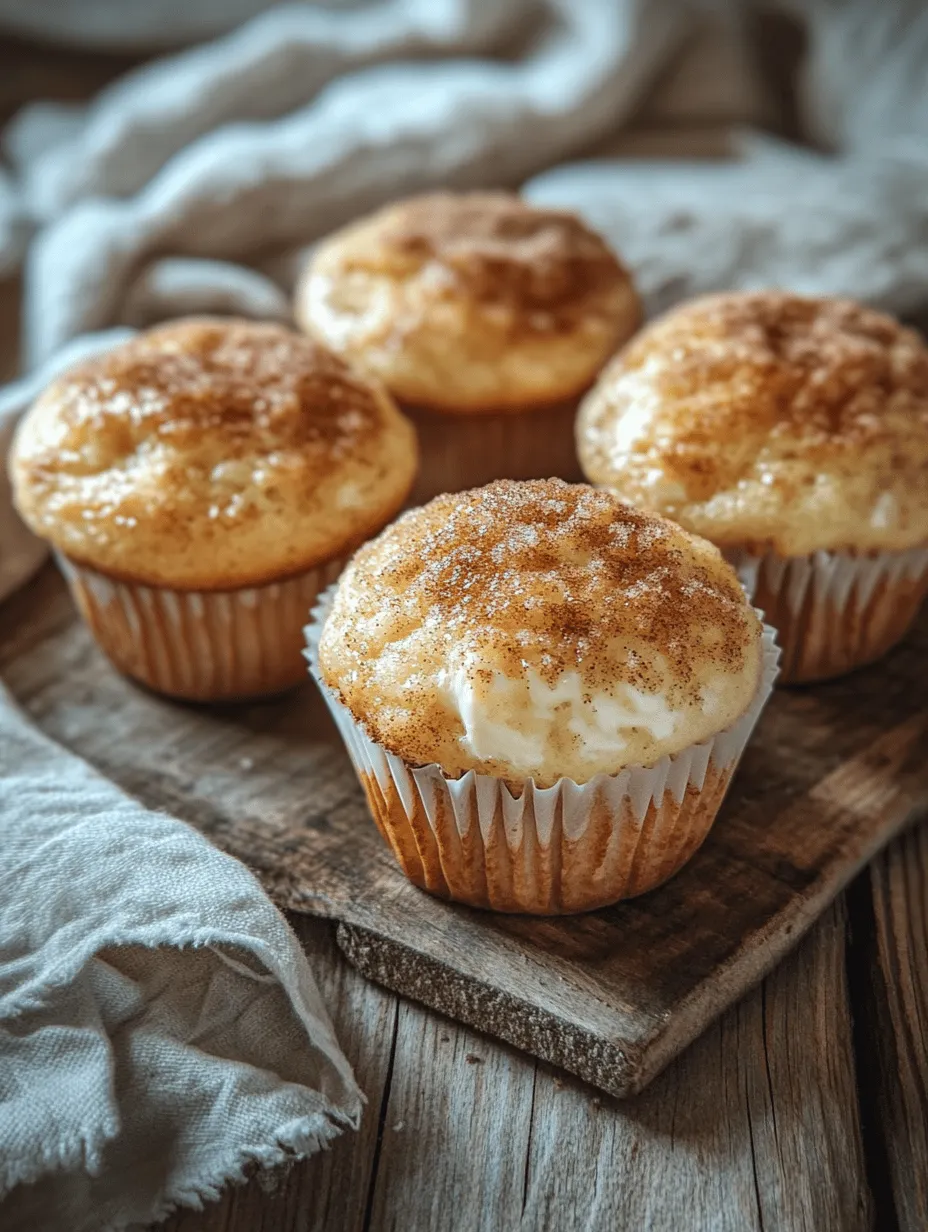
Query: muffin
x=544, y=692
x=201, y=484
x=484, y=316
x=793, y=433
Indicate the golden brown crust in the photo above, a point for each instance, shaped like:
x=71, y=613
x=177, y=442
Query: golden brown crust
x=769, y=420
x=502, y=251
x=471, y=302
x=541, y=619
x=210, y=454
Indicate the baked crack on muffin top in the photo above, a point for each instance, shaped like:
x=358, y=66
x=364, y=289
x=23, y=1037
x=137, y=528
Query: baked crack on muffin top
x=470, y=302
x=211, y=454
x=769, y=420
x=539, y=629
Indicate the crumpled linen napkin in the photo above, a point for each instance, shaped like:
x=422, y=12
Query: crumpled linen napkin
x=230, y=155
x=160, y=1028
x=282, y=130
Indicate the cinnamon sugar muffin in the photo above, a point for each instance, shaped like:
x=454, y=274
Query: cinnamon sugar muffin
x=793, y=433
x=486, y=317
x=545, y=692
x=201, y=483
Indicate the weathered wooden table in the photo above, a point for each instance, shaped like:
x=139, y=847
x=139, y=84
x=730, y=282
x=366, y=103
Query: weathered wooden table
x=804, y=1107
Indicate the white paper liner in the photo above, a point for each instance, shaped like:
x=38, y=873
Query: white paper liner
x=642, y=786
x=834, y=610
x=838, y=576
x=201, y=645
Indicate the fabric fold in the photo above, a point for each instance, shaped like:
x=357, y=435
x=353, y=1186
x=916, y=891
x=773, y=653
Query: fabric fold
x=160, y=1028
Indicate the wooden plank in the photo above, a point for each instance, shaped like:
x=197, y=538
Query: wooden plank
x=330, y=1190
x=455, y=1132
x=754, y=1128
x=833, y=772
x=573, y=995
x=892, y=986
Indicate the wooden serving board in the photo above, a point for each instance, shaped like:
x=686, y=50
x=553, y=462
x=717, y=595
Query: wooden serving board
x=832, y=773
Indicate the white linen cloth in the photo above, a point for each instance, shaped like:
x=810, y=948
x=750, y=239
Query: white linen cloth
x=160, y=1029
x=158, y=1025
x=265, y=139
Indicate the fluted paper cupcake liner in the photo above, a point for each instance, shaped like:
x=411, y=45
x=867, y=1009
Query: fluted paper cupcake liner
x=461, y=451
x=547, y=851
x=834, y=611
x=202, y=645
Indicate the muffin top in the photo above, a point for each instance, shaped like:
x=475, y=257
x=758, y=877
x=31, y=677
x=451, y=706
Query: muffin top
x=539, y=630
x=470, y=302
x=210, y=454
x=769, y=421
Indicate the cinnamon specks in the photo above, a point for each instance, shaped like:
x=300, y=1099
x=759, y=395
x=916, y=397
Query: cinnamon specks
x=211, y=453
x=563, y=576
x=262, y=388
x=734, y=413
x=501, y=248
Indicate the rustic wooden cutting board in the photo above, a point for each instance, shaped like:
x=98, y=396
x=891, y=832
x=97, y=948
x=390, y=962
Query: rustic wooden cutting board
x=832, y=773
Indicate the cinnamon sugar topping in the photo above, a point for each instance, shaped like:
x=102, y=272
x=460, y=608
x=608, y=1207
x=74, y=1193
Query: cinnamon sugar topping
x=264, y=388
x=771, y=419
x=470, y=302
x=496, y=247
x=488, y=609
x=566, y=570
x=211, y=454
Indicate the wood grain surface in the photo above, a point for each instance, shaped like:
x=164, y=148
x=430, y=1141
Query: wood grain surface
x=890, y=965
x=612, y=996
x=754, y=1129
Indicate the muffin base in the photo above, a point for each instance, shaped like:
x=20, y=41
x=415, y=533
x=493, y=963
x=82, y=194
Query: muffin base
x=834, y=612
x=202, y=645
x=544, y=851
x=461, y=451
x=617, y=856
